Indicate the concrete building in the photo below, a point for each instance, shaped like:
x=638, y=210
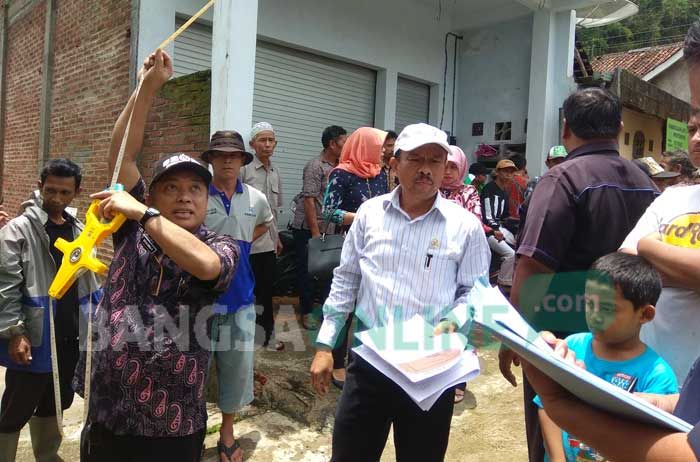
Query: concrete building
x=653, y=86
x=487, y=71
x=662, y=66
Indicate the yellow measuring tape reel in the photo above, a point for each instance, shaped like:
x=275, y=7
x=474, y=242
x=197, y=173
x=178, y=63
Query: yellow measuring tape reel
x=80, y=255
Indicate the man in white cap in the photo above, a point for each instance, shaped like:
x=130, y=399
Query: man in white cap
x=407, y=252
x=263, y=176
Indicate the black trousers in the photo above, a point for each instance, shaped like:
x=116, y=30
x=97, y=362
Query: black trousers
x=370, y=403
x=29, y=394
x=533, y=430
x=105, y=446
x=305, y=283
x=263, y=265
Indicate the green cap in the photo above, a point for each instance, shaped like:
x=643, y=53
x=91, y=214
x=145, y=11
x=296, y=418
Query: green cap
x=557, y=152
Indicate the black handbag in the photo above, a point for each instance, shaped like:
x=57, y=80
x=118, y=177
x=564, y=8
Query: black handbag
x=324, y=251
x=324, y=255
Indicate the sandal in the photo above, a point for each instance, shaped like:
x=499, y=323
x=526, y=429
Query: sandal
x=227, y=451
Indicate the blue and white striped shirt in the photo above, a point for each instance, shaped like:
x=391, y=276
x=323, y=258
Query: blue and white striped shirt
x=393, y=267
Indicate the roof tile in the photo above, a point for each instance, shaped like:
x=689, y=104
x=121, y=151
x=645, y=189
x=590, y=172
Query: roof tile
x=639, y=62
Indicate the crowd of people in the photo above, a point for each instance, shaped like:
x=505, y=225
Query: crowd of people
x=198, y=252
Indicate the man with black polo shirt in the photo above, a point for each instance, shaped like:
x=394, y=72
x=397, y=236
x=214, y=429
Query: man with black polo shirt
x=580, y=211
x=28, y=264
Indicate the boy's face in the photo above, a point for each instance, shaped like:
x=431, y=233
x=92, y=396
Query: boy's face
x=57, y=193
x=611, y=318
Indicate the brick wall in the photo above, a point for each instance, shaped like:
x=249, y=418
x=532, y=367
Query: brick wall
x=24, y=58
x=179, y=120
x=91, y=84
x=90, y=87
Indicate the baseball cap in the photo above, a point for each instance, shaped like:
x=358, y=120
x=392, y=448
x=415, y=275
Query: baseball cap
x=505, y=163
x=179, y=161
x=227, y=141
x=653, y=169
x=259, y=128
x=417, y=135
x=557, y=152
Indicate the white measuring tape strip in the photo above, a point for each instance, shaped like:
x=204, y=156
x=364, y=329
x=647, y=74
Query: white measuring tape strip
x=88, y=365
x=54, y=369
x=54, y=365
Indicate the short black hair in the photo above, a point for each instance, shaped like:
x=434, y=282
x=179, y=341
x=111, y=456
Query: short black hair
x=391, y=135
x=519, y=160
x=64, y=168
x=330, y=134
x=680, y=158
x=593, y=113
x=691, y=48
x=638, y=281
x=478, y=168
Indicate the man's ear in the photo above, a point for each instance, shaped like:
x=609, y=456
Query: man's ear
x=648, y=314
x=393, y=162
x=566, y=131
x=78, y=191
x=251, y=144
x=38, y=185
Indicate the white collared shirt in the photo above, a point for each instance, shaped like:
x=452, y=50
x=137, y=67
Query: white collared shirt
x=395, y=267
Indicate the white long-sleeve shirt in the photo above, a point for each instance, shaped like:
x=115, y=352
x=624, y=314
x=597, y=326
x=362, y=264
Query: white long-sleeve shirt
x=393, y=267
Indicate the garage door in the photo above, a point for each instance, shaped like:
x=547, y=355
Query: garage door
x=300, y=94
x=192, y=49
x=412, y=103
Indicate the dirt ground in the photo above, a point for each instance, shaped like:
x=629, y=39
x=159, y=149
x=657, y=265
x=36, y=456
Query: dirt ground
x=493, y=431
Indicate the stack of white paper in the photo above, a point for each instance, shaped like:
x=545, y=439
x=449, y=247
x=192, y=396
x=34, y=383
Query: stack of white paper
x=424, y=366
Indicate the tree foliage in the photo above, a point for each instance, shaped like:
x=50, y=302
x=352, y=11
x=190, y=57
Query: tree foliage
x=658, y=22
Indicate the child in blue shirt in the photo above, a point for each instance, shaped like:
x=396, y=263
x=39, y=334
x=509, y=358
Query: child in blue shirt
x=621, y=291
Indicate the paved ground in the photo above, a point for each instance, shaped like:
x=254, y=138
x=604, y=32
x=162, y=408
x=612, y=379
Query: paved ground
x=494, y=431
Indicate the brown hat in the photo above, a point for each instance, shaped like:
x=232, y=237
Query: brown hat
x=227, y=141
x=505, y=163
x=179, y=161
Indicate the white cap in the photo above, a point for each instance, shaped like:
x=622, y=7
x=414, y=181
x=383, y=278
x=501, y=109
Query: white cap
x=417, y=135
x=259, y=128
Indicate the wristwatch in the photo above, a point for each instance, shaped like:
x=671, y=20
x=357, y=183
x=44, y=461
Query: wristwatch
x=148, y=214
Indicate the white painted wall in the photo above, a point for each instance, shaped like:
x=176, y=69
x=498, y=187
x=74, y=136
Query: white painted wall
x=493, y=85
x=395, y=37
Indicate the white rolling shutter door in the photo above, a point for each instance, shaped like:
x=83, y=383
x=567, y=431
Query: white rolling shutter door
x=300, y=94
x=412, y=103
x=192, y=49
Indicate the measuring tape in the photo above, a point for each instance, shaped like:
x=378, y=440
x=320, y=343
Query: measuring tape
x=80, y=255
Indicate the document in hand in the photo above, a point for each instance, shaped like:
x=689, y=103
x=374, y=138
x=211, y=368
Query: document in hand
x=423, y=366
x=493, y=311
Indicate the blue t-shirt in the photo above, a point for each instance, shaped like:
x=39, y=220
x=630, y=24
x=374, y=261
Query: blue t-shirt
x=647, y=373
